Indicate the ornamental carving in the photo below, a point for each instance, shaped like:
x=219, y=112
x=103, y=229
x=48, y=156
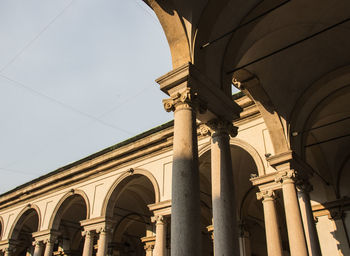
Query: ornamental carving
x=266, y=195
x=187, y=98
x=218, y=126
x=286, y=176
x=303, y=186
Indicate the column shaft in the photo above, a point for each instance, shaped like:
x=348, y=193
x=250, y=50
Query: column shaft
x=294, y=224
x=88, y=243
x=49, y=248
x=160, y=246
x=273, y=237
x=185, y=209
x=102, y=243
x=311, y=236
x=38, y=248
x=224, y=210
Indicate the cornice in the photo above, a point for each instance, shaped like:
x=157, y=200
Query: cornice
x=145, y=147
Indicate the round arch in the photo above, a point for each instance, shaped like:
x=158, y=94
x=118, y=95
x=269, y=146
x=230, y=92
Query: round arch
x=310, y=98
x=21, y=218
x=55, y=218
x=131, y=172
x=245, y=146
x=1, y=227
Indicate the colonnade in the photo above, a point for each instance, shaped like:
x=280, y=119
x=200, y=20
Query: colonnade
x=302, y=234
x=186, y=102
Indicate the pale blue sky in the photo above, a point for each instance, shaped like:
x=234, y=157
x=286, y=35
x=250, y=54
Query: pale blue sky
x=75, y=77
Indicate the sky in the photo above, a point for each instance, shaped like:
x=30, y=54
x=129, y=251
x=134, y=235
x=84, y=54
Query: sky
x=76, y=76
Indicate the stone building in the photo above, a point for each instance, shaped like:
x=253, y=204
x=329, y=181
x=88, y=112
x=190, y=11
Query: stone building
x=263, y=173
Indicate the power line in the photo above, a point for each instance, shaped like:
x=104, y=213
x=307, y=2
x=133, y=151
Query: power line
x=21, y=85
x=244, y=24
x=27, y=45
x=75, y=131
x=289, y=45
x=327, y=140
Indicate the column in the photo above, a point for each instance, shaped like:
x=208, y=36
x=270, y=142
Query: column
x=88, y=243
x=185, y=208
x=149, y=249
x=9, y=251
x=313, y=245
x=295, y=228
x=223, y=197
x=38, y=248
x=160, y=246
x=102, y=242
x=50, y=243
x=273, y=237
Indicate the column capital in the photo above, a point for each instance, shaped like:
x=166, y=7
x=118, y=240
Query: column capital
x=38, y=243
x=303, y=185
x=88, y=233
x=285, y=177
x=188, y=76
x=185, y=98
x=266, y=195
x=158, y=219
x=218, y=126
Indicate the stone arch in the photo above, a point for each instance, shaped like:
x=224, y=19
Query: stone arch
x=317, y=91
x=55, y=218
x=176, y=31
x=245, y=159
x=1, y=227
x=113, y=191
x=21, y=217
x=250, y=84
x=245, y=146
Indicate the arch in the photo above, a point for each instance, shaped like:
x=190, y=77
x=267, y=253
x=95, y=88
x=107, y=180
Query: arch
x=55, y=215
x=131, y=172
x=245, y=146
x=1, y=227
x=26, y=210
x=175, y=29
x=312, y=96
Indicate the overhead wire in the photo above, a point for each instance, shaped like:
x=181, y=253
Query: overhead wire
x=289, y=45
x=244, y=24
x=30, y=42
x=78, y=129
x=67, y=106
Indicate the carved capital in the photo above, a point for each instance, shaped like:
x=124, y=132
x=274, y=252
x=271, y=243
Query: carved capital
x=286, y=176
x=266, y=195
x=148, y=247
x=187, y=99
x=205, y=130
x=38, y=243
x=218, y=126
x=51, y=240
x=88, y=233
x=303, y=186
x=158, y=219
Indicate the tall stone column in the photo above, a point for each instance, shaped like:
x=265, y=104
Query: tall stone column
x=160, y=246
x=102, y=242
x=89, y=242
x=273, y=237
x=313, y=244
x=50, y=243
x=223, y=194
x=295, y=228
x=38, y=248
x=185, y=209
